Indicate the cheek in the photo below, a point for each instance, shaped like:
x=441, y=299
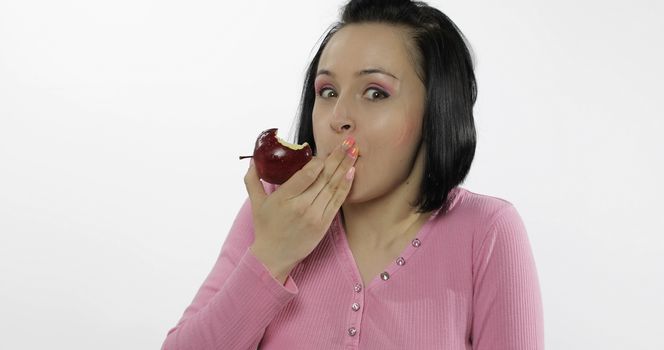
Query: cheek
x=318, y=125
x=406, y=134
x=411, y=128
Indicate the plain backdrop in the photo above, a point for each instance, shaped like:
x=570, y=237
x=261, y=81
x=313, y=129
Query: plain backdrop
x=121, y=124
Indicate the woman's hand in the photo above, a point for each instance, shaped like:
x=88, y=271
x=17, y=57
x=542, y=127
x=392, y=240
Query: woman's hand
x=290, y=222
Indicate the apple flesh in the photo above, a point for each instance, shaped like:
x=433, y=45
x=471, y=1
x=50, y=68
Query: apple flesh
x=277, y=160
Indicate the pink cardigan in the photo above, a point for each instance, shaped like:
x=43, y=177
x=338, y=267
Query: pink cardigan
x=468, y=281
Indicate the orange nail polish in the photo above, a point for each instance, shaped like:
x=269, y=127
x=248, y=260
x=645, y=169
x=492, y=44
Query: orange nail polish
x=350, y=141
x=353, y=152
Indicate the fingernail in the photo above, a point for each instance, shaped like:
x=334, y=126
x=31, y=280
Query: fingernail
x=350, y=174
x=353, y=152
x=350, y=140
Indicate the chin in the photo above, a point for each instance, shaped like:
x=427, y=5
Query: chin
x=354, y=193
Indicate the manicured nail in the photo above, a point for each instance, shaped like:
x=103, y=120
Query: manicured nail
x=350, y=141
x=350, y=174
x=353, y=152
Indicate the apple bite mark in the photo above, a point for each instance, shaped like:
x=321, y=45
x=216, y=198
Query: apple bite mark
x=291, y=145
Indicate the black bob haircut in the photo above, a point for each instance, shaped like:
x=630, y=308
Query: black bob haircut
x=445, y=67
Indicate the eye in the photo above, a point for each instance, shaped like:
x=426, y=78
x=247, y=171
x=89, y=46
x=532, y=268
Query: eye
x=326, y=92
x=376, y=94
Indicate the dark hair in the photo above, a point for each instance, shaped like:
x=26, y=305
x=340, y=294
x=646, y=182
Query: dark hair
x=445, y=68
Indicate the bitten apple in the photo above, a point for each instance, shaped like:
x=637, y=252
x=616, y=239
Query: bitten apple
x=277, y=160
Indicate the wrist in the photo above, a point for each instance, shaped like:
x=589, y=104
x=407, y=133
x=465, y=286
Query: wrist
x=277, y=268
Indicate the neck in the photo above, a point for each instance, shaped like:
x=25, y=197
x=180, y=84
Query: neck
x=384, y=220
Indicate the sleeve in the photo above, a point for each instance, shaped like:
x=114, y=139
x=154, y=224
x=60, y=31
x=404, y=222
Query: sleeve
x=237, y=301
x=507, y=304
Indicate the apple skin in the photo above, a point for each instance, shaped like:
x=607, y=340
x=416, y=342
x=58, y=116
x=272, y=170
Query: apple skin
x=277, y=160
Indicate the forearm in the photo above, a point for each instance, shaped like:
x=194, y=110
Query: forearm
x=237, y=315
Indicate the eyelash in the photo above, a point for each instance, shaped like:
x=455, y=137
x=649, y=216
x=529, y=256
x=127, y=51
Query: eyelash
x=382, y=92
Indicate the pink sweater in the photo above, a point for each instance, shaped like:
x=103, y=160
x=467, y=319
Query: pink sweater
x=468, y=281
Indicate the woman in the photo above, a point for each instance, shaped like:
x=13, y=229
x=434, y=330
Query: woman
x=373, y=245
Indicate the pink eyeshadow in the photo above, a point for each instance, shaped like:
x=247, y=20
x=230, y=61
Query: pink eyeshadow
x=383, y=87
x=319, y=84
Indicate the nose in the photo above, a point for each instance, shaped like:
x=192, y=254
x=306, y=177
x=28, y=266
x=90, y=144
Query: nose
x=342, y=118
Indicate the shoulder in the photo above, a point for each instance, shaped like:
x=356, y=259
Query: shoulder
x=475, y=208
x=480, y=216
x=494, y=226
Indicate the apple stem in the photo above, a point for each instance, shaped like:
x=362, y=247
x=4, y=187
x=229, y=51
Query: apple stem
x=242, y=157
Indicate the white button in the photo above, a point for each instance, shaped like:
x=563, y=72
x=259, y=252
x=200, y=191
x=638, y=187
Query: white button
x=356, y=306
x=357, y=288
x=401, y=261
x=416, y=243
x=385, y=276
x=352, y=331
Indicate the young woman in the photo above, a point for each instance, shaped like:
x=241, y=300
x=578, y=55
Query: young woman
x=373, y=244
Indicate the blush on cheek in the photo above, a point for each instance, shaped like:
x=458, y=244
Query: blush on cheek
x=405, y=135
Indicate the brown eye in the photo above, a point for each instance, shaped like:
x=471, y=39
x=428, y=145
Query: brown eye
x=375, y=94
x=327, y=92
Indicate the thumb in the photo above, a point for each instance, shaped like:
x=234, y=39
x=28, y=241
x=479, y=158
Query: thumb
x=254, y=186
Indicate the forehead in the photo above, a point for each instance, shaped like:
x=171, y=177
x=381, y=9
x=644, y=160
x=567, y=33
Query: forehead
x=358, y=46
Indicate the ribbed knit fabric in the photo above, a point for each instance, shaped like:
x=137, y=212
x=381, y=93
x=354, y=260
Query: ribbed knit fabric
x=470, y=283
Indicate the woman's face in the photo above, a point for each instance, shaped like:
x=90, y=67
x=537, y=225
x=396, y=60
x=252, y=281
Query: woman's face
x=367, y=87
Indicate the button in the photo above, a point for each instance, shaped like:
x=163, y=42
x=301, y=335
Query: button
x=356, y=306
x=352, y=331
x=385, y=276
x=416, y=243
x=401, y=261
x=357, y=288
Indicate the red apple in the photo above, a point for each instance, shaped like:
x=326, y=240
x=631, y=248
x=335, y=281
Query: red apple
x=277, y=160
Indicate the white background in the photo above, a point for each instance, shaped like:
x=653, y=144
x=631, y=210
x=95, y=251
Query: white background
x=121, y=124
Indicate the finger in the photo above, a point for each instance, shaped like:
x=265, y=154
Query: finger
x=254, y=186
x=334, y=196
x=333, y=163
x=301, y=180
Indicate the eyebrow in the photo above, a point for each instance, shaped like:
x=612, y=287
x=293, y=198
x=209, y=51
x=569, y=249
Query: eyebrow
x=362, y=72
